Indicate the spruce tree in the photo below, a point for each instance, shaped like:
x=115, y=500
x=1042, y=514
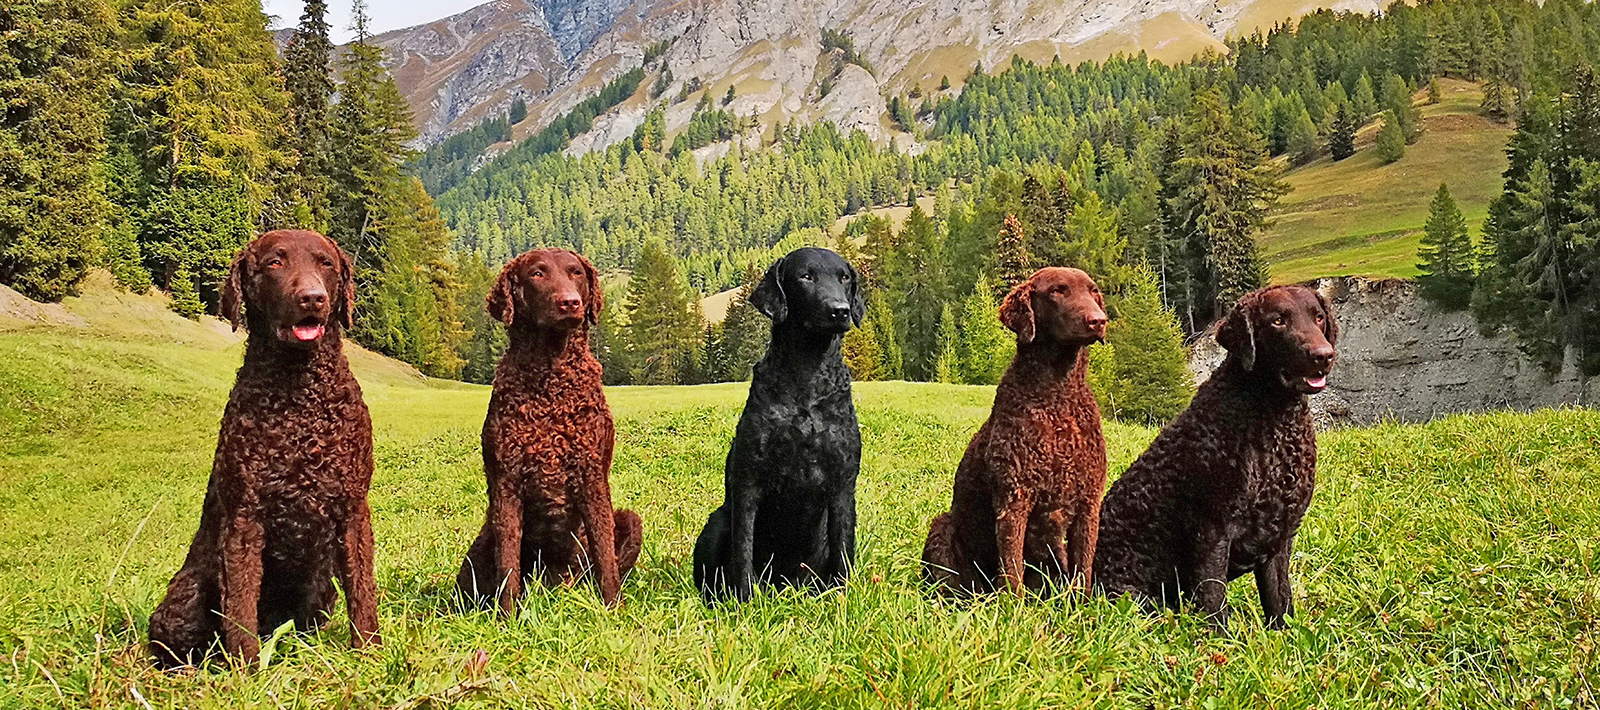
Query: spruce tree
x=744, y=331
x=1012, y=261
x=1226, y=189
x=1397, y=101
x=880, y=321
x=861, y=353
x=1150, y=381
x=1364, y=102
x=922, y=290
x=52, y=88
x=1447, y=255
x=1391, y=145
x=664, y=329
x=1342, y=140
x=308, y=75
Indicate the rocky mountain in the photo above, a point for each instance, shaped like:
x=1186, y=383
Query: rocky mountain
x=553, y=53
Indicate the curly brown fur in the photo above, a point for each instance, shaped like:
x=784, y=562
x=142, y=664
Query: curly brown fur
x=547, y=443
x=286, y=510
x=789, y=511
x=1026, y=504
x=1223, y=488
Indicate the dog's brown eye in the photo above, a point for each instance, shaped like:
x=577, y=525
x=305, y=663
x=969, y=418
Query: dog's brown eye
x=275, y=263
x=805, y=277
x=1319, y=320
x=538, y=274
x=844, y=278
x=1278, y=321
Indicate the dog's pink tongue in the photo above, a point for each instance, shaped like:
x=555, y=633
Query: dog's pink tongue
x=307, y=332
x=1318, y=382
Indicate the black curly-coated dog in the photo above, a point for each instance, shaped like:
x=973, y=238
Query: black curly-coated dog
x=789, y=513
x=1222, y=490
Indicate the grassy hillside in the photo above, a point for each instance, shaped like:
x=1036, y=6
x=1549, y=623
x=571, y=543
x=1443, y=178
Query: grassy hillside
x=1359, y=217
x=1448, y=565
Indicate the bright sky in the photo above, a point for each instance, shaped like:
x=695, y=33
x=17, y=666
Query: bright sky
x=384, y=15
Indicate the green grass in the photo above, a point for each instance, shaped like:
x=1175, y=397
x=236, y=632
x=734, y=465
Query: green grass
x=1446, y=565
x=1358, y=217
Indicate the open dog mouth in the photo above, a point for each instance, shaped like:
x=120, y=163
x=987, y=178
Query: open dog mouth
x=1305, y=384
x=307, y=330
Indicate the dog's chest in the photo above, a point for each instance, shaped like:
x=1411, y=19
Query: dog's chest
x=811, y=447
x=1281, y=476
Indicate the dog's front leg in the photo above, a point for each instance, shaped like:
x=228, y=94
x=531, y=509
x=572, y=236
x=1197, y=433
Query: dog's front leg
x=1011, y=531
x=355, y=567
x=841, y=536
x=601, y=523
x=744, y=505
x=1210, y=583
x=505, y=510
x=1272, y=582
x=242, y=543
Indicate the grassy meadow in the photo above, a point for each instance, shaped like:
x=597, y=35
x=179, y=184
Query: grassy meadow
x=1358, y=216
x=1454, y=564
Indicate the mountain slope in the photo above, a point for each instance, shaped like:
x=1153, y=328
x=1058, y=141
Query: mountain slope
x=553, y=53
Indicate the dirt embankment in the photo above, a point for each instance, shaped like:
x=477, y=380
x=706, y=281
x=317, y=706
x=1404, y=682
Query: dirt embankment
x=1404, y=359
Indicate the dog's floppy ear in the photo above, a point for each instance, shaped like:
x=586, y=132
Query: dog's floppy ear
x=232, y=301
x=501, y=302
x=1330, y=324
x=347, y=287
x=1016, y=311
x=768, y=296
x=1237, y=334
x=597, y=295
x=858, y=303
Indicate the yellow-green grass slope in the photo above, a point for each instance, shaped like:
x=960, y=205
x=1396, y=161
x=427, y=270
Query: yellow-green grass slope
x=1446, y=565
x=1360, y=217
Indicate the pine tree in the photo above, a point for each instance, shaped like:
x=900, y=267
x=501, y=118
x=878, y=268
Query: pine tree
x=663, y=327
x=1397, y=101
x=308, y=75
x=921, y=286
x=948, y=366
x=1434, y=94
x=52, y=88
x=1447, y=255
x=1391, y=145
x=480, y=351
x=1342, y=140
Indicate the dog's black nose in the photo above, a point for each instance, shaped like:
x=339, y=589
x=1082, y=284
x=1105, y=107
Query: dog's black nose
x=312, y=298
x=839, y=313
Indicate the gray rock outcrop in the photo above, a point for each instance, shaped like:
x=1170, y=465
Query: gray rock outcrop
x=1402, y=358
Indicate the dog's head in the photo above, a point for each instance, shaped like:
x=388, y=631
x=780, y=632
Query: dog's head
x=547, y=289
x=1287, y=332
x=1057, y=305
x=291, y=285
x=811, y=288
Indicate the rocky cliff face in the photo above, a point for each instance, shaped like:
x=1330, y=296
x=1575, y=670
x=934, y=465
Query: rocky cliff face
x=553, y=53
x=1402, y=358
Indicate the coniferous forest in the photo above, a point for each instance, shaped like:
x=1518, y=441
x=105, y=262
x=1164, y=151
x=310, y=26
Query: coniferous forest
x=153, y=139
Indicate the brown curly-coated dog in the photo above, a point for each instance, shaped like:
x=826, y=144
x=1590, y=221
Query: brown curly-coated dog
x=1026, y=503
x=547, y=442
x=286, y=510
x=1222, y=489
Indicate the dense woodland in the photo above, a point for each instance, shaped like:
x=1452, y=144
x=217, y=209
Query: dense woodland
x=183, y=132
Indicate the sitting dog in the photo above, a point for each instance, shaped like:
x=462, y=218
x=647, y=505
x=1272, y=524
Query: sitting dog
x=286, y=508
x=1222, y=489
x=547, y=442
x=1026, y=504
x=789, y=514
